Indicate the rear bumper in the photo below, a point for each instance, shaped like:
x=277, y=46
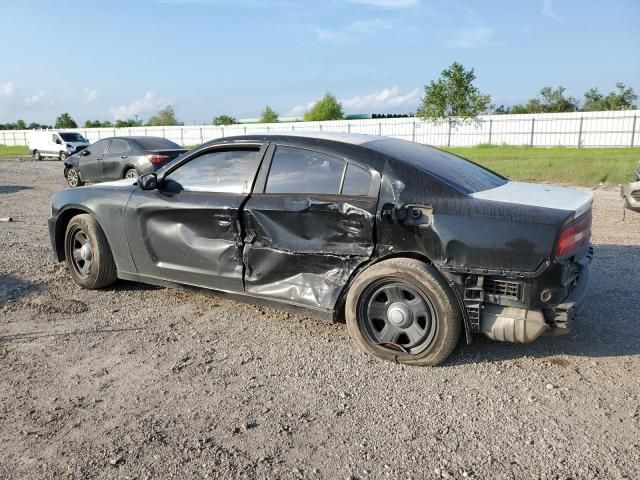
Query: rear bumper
x=512, y=324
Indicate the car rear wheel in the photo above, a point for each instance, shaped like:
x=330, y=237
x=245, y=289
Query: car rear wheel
x=73, y=177
x=131, y=173
x=37, y=156
x=402, y=310
x=63, y=156
x=88, y=254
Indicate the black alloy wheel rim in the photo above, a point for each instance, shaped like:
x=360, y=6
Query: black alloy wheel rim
x=72, y=177
x=397, y=316
x=81, y=252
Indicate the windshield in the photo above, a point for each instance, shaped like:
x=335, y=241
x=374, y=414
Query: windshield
x=153, y=143
x=464, y=175
x=73, y=137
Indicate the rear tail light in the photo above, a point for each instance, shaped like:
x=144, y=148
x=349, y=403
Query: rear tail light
x=574, y=236
x=156, y=159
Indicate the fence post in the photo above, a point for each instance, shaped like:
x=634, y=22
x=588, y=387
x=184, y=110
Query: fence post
x=320, y=126
x=533, y=128
x=222, y=130
x=293, y=127
x=245, y=129
x=201, y=137
x=14, y=137
x=24, y=137
x=449, y=134
x=413, y=131
x=580, y=133
x=380, y=129
x=348, y=128
x=4, y=139
x=633, y=130
x=490, y=129
x=163, y=133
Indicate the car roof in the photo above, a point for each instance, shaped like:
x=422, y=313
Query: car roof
x=339, y=137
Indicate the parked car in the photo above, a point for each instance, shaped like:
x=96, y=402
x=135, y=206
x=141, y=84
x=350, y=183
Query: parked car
x=47, y=143
x=411, y=244
x=119, y=157
x=631, y=193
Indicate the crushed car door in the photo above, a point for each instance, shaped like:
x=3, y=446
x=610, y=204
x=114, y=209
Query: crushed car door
x=188, y=229
x=310, y=226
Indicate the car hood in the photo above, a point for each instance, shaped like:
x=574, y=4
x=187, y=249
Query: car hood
x=537, y=195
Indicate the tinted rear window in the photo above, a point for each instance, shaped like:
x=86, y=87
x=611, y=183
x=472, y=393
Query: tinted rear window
x=462, y=174
x=157, y=144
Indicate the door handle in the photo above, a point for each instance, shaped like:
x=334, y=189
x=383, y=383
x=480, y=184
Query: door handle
x=124, y=156
x=99, y=158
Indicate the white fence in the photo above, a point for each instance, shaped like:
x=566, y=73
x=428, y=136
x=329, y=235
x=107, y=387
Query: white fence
x=579, y=129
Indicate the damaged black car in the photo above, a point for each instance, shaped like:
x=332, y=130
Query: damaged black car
x=411, y=245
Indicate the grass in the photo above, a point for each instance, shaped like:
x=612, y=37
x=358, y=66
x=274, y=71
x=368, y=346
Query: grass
x=561, y=165
x=6, y=151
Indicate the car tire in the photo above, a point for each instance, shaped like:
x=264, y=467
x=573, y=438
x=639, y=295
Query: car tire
x=63, y=156
x=37, y=156
x=131, y=173
x=73, y=177
x=407, y=302
x=87, y=253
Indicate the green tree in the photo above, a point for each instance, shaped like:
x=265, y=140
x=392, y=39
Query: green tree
x=165, y=118
x=453, y=95
x=269, y=115
x=550, y=100
x=328, y=108
x=224, y=120
x=623, y=99
x=65, y=121
x=128, y=123
x=21, y=125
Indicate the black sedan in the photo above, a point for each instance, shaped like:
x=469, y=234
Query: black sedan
x=119, y=157
x=410, y=244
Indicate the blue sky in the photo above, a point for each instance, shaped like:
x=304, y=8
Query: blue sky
x=115, y=59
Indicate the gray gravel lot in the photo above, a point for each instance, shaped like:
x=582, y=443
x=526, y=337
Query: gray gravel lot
x=141, y=382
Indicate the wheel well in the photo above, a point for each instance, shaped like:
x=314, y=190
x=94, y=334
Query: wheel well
x=61, y=227
x=338, y=312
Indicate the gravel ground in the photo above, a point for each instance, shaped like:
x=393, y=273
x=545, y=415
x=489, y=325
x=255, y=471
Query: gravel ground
x=140, y=382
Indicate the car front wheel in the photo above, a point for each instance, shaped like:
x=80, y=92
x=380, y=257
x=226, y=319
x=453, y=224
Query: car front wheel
x=73, y=177
x=87, y=253
x=63, y=156
x=401, y=310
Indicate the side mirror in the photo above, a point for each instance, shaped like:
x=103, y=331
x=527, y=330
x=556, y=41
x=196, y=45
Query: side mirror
x=58, y=141
x=85, y=152
x=148, y=181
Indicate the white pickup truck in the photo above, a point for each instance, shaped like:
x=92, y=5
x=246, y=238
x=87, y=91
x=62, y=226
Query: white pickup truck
x=47, y=143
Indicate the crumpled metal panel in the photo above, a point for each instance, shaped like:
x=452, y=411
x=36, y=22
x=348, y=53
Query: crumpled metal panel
x=303, y=249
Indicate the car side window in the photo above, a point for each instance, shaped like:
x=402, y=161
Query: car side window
x=296, y=170
x=118, y=146
x=357, y=181
x=227, y=171
x=99, y=147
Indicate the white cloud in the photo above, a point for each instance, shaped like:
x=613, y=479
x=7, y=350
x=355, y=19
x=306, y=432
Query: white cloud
x=548, y=11
x=6, y=88
x=472, y=38
x=357, y=28
x=147, y=104
x=89, y=95
x=388, y=3
x=299, y=110
x=387, y=98
x=35, y=99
